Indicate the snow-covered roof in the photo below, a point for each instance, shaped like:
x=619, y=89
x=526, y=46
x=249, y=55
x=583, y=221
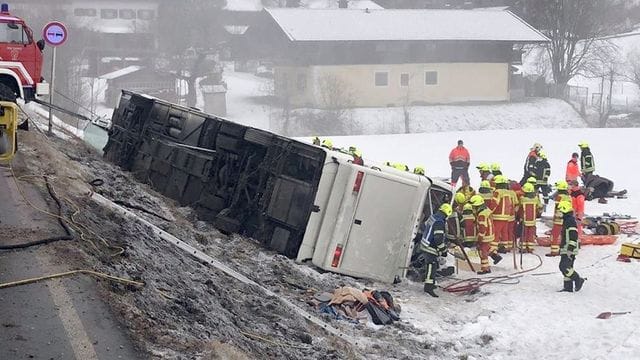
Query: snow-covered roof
x=367, y=25
x=256, y=5
x=122, y=72
x=243, y=5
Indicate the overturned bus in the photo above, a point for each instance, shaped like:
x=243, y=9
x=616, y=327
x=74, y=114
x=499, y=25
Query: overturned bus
x=301, y=200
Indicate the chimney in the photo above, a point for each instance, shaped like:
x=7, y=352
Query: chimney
x=343, y=4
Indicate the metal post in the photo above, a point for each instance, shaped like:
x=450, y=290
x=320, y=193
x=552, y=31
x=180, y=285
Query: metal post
x=53, y=79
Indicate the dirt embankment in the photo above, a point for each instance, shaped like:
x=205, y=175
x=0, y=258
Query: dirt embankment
x=188, y=309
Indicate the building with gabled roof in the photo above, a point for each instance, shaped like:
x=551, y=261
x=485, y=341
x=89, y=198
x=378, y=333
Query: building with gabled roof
x=391, y=57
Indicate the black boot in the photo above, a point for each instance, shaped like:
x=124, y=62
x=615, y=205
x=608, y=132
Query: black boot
x=428, y=288
x=579, y=282
x=568, y=286
x=483, y=272
x=496, y=258
x=502, y=250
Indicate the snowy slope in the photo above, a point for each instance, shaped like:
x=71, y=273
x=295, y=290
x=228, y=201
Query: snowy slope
x=530, y=320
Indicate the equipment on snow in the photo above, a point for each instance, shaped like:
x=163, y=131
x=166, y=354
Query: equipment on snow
x=630, y=250
x=584, y=240
x=607, y=314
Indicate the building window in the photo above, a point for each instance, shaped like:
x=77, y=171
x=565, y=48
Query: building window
x=404, y=79
x=85, y=12
x=146, y=14
x=301, y=82
x=431, y=78
x=382, y=78
x=108, y=13
x=127, y=14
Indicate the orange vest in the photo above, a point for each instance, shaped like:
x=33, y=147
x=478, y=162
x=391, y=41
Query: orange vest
x=469, y=224
x=529, y=210
x=506, y=205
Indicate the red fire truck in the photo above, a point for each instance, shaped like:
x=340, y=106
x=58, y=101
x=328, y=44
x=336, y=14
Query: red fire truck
x=20, y=60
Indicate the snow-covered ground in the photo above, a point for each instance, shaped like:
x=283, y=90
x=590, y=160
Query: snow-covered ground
x=530, y=320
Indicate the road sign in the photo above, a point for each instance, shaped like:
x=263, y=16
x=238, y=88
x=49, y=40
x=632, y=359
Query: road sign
x=54, y=33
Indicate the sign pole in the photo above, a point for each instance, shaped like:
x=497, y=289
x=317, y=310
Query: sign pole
x=53, y=80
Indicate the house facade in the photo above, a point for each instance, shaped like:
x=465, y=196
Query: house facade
x=374, y=58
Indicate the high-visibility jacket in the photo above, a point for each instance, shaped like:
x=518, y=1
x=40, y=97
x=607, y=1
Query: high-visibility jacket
x=569, y=236
x=529, y=210
x=562, y=195
x=454, y=227
x=484, y=224
x=433, y=238
x=459, y=154
x=543, y=171
x=467, y=191
x=506, y=205
x=469, y=226
x=573, y=171
x=587, y=163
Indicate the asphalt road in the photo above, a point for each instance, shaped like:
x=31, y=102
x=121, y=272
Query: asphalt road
x=55, y=319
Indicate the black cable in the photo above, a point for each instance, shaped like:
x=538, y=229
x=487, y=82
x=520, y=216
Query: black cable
x=68, y=236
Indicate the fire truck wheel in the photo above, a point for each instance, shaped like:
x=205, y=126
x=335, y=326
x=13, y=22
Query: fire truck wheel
x=6, y=94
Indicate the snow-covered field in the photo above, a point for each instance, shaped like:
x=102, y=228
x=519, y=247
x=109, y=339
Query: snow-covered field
x=530, y=320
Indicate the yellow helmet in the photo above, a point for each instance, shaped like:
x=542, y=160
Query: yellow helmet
x=500, y=179
x=476, y=200
x=483, y=167
x=565, y=206
x=357, y=153
x=446, y=209
x=495, y=167
x=528, y=188
x=467, y=206
x=531, y=180
x=460, y=198
x=419, y=170
x=485, y=184
x=562, y=185
x=583, y=144
x=542, y=154
x=327, y=143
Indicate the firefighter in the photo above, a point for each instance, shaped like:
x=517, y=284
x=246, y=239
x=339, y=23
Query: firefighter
x=573, y=170
x=357, y=156
x=543, y=171
x=587, y=164
x=397, y=166
x=562, y=194
x=469, y=226
x=459, y=159
x=504, y=214
x=418, y=170
x=577, y=201
x=468, y=191
x=326, y=143
x=529, y=163
x=433, y=245
x=486, y=191
x=485, y=171
x=569, y=248
x=495, y=169
x=454, y=224
x=486, y=238
x=530, y=210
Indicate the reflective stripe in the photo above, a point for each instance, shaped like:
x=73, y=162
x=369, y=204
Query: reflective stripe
x=428, y=279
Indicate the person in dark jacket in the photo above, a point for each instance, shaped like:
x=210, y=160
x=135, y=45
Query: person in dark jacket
x=587, y=163
x=434, y=246
x=596, y=187
x=542, y=173
x=530, y=162
x=569, y=248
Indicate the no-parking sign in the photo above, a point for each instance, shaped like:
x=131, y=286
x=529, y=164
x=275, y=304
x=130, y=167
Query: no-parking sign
x=54, y=33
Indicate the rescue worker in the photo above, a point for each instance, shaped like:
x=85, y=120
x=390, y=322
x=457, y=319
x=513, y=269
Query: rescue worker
x=486, y=237
x=485, y=171
x=459, y=159
x=454, y=223
x=569, y=248
x=486, y=191
x=573, y=170
x=529, y=163
x=562, y=194
x=433, y=245
x=357, y=157
x=418, y=170
x=316, y=141
x=543, y=171
x=469, y=226
x=468, y=191
x=326, y=143
x=397, y=166
x=597, y=187
x=577, y=201
x=495, y=169
x=504, y=214
x=530, y=210
x=587, y=163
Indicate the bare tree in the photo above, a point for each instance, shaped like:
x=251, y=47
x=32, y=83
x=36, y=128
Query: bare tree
x=335, y=96
x=573, y=26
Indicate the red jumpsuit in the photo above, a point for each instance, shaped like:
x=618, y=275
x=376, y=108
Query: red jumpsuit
x=557, y=222
x=504, y=217
x=486, y=237
x=469, y=226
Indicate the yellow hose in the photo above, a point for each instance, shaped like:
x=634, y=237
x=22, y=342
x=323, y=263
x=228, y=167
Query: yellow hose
x=69, y=273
